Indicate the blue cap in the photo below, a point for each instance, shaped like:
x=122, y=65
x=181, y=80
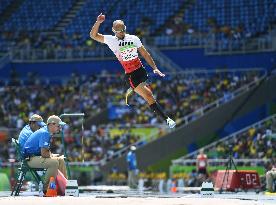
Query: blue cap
x=41, y=124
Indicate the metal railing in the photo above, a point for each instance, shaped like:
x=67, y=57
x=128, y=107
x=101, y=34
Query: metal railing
x=218, y=162
x=200, y=112
x=211, y=46
x=176, y=42
x=20, y=55
x=187, y=162
x=80, y=164
x=4, y=60
x=234, y=135
x=240, y=46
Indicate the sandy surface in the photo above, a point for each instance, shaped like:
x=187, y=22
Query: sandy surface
x=121, y=195
x=116, y=201
x=129, y=201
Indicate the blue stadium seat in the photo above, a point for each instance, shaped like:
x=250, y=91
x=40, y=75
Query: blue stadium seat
x=253, y=16
x=4, y=4
x=37, y=16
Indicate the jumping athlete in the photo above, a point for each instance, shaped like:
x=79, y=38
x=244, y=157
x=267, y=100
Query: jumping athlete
x=125, y=47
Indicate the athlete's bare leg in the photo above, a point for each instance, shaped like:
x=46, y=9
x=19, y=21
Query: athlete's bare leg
x=146, y=93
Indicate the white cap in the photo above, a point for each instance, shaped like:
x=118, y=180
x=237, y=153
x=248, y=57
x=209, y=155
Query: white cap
x=55, y=119
x=133, y=148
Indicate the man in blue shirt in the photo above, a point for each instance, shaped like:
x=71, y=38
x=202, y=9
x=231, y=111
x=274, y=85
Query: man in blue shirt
x=35, y=123
x=37, y=147
x=132, y=167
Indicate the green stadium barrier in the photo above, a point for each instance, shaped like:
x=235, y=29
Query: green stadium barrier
x=148, y=134
x=4, y=182
x=188, y=169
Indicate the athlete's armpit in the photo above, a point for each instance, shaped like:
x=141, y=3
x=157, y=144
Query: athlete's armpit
x=142, y=50
x=98, y=37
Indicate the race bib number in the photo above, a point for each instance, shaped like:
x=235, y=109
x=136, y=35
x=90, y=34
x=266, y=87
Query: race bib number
x=128, y=52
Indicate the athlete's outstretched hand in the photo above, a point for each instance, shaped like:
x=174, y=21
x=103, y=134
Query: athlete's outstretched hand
x=158, y=72
x=101, y=18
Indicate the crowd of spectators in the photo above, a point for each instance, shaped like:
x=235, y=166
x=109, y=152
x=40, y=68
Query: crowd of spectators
x=97, y=144
x=255, y=143
x=183, y=94
x=180, y=95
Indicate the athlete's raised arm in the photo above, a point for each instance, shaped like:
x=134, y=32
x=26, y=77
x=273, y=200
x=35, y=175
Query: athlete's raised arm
x=95, y=29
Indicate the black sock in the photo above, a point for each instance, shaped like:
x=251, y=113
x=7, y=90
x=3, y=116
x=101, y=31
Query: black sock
x=158, y=110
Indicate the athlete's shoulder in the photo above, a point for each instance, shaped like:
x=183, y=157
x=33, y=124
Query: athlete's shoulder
x=131, y=36
x=136, y=40
x=109, y=39
x=109, y=36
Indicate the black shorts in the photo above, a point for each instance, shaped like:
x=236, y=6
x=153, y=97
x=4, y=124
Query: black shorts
x=202, y=171
x=136, y=77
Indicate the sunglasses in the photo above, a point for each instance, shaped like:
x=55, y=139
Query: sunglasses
x=56, y=124
x=119, y=31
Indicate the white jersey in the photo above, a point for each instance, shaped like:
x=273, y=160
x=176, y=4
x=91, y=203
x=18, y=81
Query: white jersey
x=125, y=50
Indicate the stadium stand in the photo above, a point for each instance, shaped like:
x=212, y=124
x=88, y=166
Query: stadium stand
x=4, y=4
x=185, y=22
x=252, y=146
x=212, y=25
x=181, y=94
x=178, y=91
x=32, y=16
x=256, y=142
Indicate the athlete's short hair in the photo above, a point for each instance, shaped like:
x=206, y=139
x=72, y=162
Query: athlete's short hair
x=118, y=22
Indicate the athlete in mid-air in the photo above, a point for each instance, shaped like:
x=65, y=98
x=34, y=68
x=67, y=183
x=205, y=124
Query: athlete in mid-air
x=125, y=47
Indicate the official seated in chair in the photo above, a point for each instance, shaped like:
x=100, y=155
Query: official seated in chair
x=35, y=123
x=37, y=148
